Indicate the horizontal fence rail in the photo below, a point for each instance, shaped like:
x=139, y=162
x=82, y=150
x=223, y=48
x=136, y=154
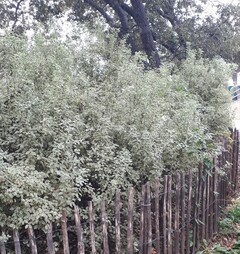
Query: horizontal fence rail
x=169, y=217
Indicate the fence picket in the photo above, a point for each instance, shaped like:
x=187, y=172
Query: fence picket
x=211, y=200
x=176, y=215
x=50, y=244
x=79, y=231
x=130, y=221
x=141, y=239
x=165, y=240
x=195, y=214
x=207, y=208
x=64, y=232
x=118, y=222
x=148, y=219
x=199, y=212
x=2, y=248
x=169, y=213
x=32, y=240
x=104, y=228
x=215, y=197
x=204, y=190
x=157, y=216
x=16, y=242
x=91, y=226
x=189, y=209
x=183, y=212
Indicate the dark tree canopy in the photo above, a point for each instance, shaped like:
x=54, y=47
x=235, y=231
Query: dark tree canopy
x=162, y=29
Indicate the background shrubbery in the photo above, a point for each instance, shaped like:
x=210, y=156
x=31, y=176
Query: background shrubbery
x=83, y=120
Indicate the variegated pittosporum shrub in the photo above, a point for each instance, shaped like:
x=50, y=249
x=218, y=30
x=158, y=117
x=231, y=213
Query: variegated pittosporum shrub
x=78, y=120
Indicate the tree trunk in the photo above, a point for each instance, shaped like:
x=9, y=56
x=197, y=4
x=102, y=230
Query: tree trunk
x=145, y=33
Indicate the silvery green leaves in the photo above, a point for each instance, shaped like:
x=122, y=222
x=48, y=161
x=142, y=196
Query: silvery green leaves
x=84, y=120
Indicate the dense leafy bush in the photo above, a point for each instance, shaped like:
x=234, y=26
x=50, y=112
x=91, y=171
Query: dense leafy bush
x=87, y=119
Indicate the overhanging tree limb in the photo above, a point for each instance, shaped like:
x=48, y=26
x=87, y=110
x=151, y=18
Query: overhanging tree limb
x=107, y=17
x=122, y=16
x=16, y=14
x=145, y=33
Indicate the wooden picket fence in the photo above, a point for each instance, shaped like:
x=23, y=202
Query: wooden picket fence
x=169, y=218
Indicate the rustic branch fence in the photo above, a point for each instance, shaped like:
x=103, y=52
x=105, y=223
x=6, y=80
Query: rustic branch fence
x=171, y=219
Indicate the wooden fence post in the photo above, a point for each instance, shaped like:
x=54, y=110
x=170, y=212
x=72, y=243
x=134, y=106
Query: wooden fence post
x=104, y=228
x=176, y=215
x=204, y=189
x=32, y=240
x=2, y=246
x=130, y=222
x=169, y=214
x=79, y=231
x=165, y=239
x=211, y=201
x=207, y=208
x=91, y=225
x=65, y=233
x=183, y=212
x=189, y=209
x=142, y=226
x=195, y=213
x=118, y=222
x=148, y=218
x=16, y=242
x=50, y=244
x=199, y=212
x=157, y=215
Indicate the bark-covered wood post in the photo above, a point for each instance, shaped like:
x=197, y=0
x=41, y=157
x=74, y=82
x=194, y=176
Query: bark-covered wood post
x=207, y=208
x=195, y=214
x=169, y=214
x=32, y=240
x=130, y=221
x=79, y=231
x=183, y=212
x=2, y=248
x=16, y=242
x=104, y=228
x=118, y=222
x=142, y=226
x=2, y=245
x=189, y=209
x=157, y=216
x=204, y=190
x=148, y=218
x=165, y=239
x=50, y=243
x=64, y=233
x=211, y=200
x=199, y=213
x=176, y=216
x=91, y=226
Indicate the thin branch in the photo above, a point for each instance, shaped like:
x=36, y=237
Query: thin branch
x=108, y=18
x=16, y=14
